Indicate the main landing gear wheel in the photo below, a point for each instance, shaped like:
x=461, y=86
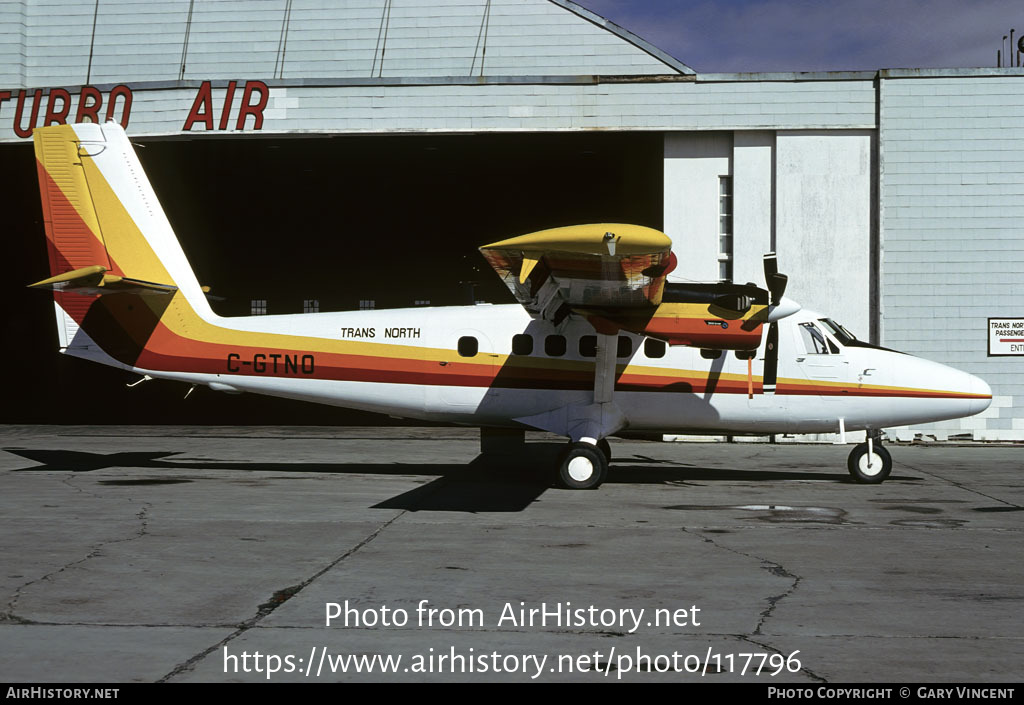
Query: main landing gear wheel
x=872, y=473
x=605, y=447
x=583, y=467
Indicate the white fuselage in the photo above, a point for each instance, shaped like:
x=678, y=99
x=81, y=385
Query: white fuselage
x=681, y=391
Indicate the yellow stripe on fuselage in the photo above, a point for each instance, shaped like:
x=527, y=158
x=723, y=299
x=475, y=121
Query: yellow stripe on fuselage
x=134, y=256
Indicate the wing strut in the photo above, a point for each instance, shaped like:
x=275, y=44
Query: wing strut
x=750, y=378
x=604, y=367
x=588, y=422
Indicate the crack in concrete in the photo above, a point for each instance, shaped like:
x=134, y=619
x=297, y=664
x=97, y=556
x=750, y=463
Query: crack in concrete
x=278, y=599
x=771, y=566
x=9, y=615
x=508, y=630
x=962, y=487
x=776, y=569
x=768, y=647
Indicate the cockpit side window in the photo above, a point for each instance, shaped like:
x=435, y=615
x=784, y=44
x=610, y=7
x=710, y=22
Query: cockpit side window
x=814, y=339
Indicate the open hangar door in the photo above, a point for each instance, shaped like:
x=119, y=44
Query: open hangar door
x=394, y=220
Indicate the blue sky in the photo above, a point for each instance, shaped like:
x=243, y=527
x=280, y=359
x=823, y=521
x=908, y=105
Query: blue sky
x=820, y=35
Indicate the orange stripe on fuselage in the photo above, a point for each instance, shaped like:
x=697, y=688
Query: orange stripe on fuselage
x=184, y=342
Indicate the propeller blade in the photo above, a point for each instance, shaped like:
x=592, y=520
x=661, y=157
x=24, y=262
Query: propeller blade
x=775, y=281
x=771, y=359
x=777, y=287
x=780, y=308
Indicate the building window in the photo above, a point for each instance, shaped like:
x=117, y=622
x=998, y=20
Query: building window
x=258, y=307
x=468, y=346
x=367, y=304
x=554, y=345
x=522, y=344
x=311, y=305
x=725, y=228
x=654, y=349
x=421, y=302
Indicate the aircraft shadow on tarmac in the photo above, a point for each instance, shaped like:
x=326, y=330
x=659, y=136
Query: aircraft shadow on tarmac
x=488, y=483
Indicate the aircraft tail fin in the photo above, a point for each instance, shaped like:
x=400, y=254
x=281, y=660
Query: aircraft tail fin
x=106, y=234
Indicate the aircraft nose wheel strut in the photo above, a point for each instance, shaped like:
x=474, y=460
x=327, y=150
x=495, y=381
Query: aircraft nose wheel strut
x=583, y=466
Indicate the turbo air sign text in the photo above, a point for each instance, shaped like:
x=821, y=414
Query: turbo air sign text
x=238, y=106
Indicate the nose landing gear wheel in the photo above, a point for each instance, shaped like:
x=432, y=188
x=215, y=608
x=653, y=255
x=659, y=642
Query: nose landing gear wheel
x=582, y=467
x=869, y=470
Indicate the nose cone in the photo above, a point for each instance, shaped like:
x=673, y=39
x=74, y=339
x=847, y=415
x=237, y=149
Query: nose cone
x=935, y=392
x=982, y=394
x=785, y=307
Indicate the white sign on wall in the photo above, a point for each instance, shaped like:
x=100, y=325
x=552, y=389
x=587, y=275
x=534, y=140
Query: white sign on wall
x=1005, y=336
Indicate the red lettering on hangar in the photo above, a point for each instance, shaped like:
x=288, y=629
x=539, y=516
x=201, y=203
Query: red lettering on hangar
x=203, y=107
x=57, y=106
x=58, y=102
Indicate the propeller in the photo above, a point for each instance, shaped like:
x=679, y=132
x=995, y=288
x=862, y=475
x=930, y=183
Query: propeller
x=776, y=281
x=778, y=308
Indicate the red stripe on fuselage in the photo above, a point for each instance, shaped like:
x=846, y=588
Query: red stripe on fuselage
x=170, y=352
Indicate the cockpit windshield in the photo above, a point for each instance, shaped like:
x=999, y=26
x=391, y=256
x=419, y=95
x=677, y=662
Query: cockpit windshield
x=840, y=333
x=848, y=339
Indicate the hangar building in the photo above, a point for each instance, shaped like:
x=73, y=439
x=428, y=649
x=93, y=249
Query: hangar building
x=289, y=138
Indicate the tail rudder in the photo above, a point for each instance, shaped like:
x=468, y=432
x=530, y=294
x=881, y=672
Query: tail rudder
x=107, y=234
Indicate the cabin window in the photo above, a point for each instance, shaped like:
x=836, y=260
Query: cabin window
x=588, y=346
x=258, y=307
x=625, y=346
x=468, y=346
x=814, y=339
x=654, y=348
x=311, y=305
x=710, y=354
x=522, y=344
x=554, y=345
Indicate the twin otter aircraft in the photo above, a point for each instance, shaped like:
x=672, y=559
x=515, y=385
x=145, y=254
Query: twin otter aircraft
x=599, y=344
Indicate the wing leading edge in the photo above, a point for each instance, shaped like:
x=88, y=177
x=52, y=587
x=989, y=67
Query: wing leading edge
x=614, y=275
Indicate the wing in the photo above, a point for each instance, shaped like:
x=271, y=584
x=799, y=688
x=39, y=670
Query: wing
x=614, y=275
x=599, y=265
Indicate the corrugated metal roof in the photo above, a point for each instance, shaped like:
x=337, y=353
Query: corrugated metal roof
x=73, y=42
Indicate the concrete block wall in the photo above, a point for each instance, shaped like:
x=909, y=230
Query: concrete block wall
x=952, y=229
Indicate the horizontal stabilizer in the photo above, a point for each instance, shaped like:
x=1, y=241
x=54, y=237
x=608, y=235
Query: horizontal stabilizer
x=94, y=280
